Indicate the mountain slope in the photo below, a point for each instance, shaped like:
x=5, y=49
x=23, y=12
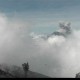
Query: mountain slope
x=36, y=75
x=17, y=72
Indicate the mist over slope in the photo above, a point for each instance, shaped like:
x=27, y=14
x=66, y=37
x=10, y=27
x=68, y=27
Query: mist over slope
x=13, y=71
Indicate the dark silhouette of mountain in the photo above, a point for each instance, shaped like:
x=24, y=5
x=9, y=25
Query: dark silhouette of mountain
x=36, y=75
x=78, y=75
x=4, y=74
x=18, y=72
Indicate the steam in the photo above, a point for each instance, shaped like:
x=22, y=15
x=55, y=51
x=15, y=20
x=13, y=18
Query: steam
x=55, y=56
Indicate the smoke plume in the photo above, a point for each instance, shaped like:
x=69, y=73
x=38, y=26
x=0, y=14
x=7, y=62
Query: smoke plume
x=55, y=56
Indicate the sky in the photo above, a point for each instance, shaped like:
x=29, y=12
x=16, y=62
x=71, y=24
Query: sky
x=44, y=15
